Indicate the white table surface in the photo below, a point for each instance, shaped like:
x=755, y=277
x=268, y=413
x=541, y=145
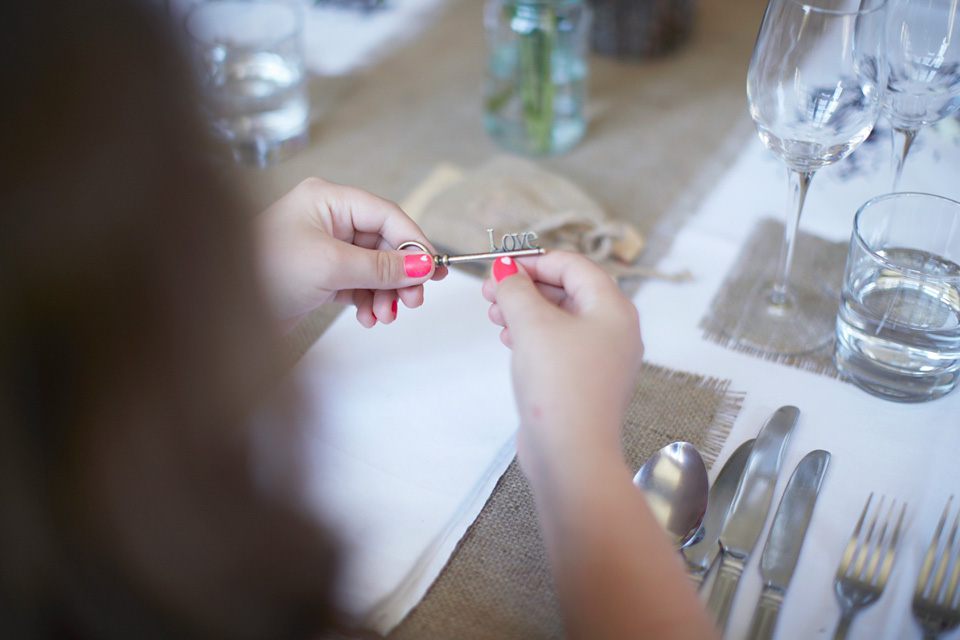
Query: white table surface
x=910, y=452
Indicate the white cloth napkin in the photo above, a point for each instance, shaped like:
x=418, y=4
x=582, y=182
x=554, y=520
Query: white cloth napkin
x=339, y=40
x=907, y=452
x=409, y=426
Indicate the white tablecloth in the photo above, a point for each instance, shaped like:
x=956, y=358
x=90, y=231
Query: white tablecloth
x=409, y=427
x=906, y=452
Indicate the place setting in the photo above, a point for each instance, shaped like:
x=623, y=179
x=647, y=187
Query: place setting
x=787, y=311
x=830, y=313
x=717, y=527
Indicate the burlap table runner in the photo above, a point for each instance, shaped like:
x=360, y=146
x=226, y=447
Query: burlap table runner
x=816, y=263
x=497, y=583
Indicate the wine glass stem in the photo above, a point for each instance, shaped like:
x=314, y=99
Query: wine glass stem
x=799, y=183
x=901, y=139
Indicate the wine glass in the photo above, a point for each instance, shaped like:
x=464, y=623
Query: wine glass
x=923, y=84
x=814, y=89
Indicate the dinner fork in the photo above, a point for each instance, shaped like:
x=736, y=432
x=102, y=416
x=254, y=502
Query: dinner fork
x=935, y=604
x=865, y=565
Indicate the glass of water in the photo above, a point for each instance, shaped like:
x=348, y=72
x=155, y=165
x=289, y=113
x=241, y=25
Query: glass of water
x=250, y=63
x=898, y=328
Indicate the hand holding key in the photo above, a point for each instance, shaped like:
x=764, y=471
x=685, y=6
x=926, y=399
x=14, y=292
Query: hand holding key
x=323, y=242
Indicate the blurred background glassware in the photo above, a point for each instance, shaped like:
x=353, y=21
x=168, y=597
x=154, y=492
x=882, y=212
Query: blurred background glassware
x=898, y=327
x=814, y=89
x=640, y=28
x=364, y=6
x=536, y=80
x=249, y=57
x=923, y=84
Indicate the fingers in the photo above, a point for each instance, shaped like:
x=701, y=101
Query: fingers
x=385, y=306
x=585, y=285
x=554, y=295
x=557, y=281
x=363, y=299
x=358, y=268
x=412, y=297
x=520, y=305
x=360, y=217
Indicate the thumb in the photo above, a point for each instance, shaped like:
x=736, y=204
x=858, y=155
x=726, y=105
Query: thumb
x=382, y=269
x=522, y=305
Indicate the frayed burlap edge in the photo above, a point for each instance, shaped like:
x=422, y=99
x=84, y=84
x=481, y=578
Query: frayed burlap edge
x=814, y=259
x=497, y=583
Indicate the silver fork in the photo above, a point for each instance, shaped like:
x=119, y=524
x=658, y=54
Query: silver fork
x=865, y=565
x=935, y=602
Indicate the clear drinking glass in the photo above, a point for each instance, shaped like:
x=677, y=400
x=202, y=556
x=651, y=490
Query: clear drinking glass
x=814, y=89
x=898, y=328
x=248, y=56
x=923, y=84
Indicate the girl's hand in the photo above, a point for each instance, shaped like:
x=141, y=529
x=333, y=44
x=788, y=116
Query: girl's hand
x=325, y=242
x=576, y=353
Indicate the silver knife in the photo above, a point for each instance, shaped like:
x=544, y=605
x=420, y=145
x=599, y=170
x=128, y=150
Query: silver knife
x=700, y=556
x=786, y=535
x=749, y=510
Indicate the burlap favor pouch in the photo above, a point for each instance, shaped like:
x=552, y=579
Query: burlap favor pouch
x=510, y=195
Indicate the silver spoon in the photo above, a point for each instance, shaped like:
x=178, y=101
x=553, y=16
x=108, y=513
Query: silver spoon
x=675, y=484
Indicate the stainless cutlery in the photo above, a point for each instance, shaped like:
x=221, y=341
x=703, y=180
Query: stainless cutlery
x=749, y=510
x=936, y=604
x=674, y=482
x=782, y=549
x=700, y=555
x=866, y=564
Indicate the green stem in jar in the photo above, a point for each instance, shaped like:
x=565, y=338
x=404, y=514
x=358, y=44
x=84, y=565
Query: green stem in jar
x=535, y=53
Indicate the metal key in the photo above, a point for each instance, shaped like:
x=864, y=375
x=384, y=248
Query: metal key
x=447, y=260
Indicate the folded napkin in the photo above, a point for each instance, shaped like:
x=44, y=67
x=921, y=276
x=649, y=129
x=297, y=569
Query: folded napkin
x=408, y=428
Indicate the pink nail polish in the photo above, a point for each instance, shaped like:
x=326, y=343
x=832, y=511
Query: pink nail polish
x=394, y=307
x=504, y=267
x=417, y=265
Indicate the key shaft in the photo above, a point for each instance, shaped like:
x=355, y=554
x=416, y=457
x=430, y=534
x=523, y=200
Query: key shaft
x=447, y=260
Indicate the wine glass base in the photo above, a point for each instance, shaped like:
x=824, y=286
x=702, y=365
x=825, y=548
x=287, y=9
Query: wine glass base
x=802, y=323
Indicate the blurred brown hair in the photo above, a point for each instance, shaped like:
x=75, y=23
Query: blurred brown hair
x=134, y=344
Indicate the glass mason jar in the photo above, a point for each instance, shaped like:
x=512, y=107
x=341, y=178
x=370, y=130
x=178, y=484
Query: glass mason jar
x=536, y=79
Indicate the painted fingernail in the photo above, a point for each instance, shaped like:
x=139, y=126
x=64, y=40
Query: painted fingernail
x=504, y=267
x=394, y=307
x=417, y=265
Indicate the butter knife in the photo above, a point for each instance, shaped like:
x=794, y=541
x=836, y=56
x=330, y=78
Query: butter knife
x=700, y=556
x=786, y=535
x=749, y=510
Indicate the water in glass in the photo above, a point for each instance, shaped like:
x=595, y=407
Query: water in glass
x=898, y=326
x=258, y=102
